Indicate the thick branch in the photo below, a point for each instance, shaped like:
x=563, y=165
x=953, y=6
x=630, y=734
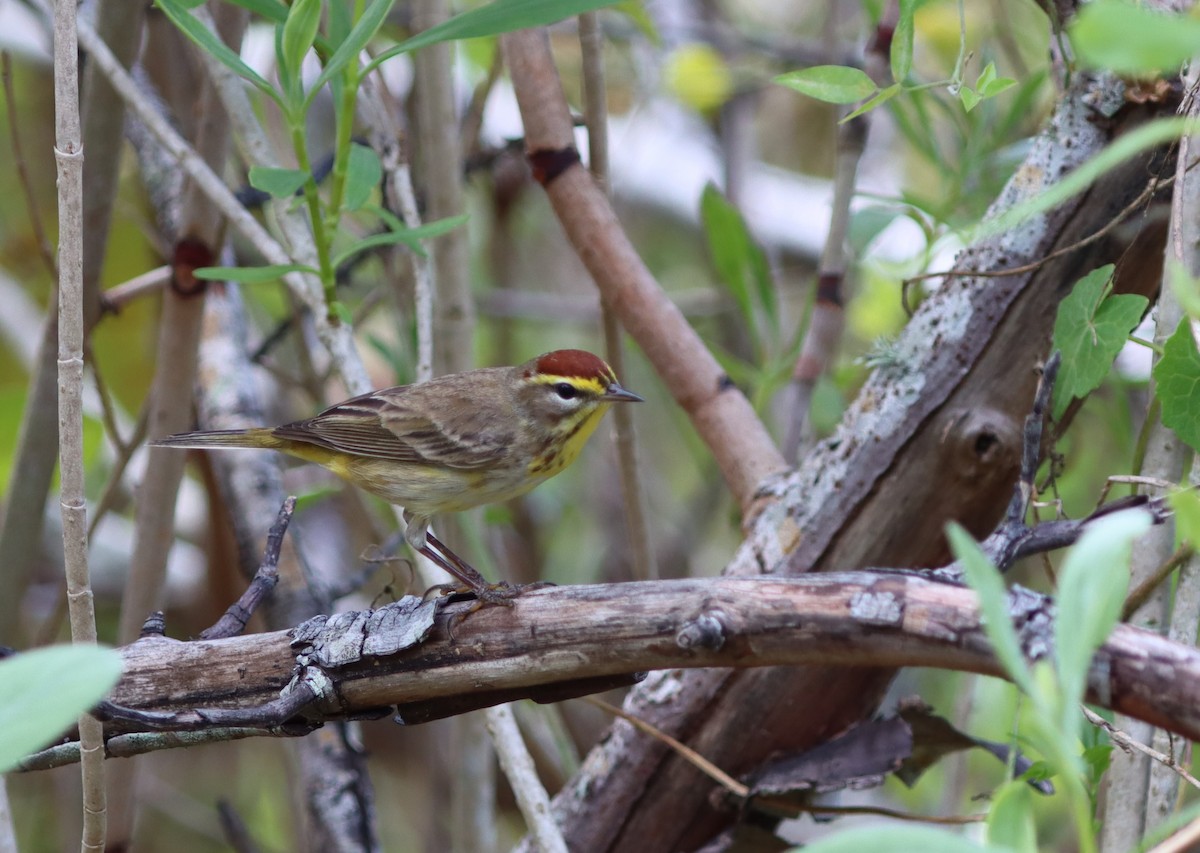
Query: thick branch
x=566, y=634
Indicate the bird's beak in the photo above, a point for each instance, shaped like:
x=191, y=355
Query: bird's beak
x=616, y=394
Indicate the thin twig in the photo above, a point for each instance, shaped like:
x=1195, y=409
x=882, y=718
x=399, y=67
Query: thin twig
x=1128, y=743
x=45, y=252
x=117, y=297
x=233, y=620
x=1142, y=592
x=596, y=117
x=68, y=156
x=951, y=820
x=518, y=768
x=683, y=750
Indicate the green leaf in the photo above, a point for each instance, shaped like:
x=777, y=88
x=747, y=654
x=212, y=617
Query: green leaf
x=1081, y=177
x=970, y=99
x=984, y=578
x=1010, y=822
x=902, y=41
x=410, y=237
x=635, y=11
x=210, y=43
x=1133, y=40
x=1177, y=384
x=1092, y=585
x=279, y=183
x=303, y=20
x=740, y=262
x=835, y=84
x=867, y=223
x=354, y=43
x=501, y=16
x=1186, y=506
x=883, y=96
x=45, y=690
x=896, y=838
x=363, y=174
x=270, y=10
x=1185, y=286
x=1090, y=329
x=251, y=275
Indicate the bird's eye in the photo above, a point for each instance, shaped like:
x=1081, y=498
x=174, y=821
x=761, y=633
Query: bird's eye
x=566, y=390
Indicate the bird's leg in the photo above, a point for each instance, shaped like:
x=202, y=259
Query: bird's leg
x=487, y=593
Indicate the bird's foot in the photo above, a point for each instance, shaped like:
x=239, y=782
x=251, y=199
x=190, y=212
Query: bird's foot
x=499, y=594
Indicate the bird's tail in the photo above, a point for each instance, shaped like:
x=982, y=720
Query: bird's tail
x=205, y=439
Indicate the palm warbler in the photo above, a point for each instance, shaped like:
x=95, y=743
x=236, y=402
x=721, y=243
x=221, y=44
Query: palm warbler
x=450, y=444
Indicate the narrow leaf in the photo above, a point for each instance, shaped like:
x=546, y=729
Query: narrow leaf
x=45, y=690
x=363, y=174
x=366, y=28
x=501, y=16
x=269, y=10
x=1177, y=384
x=1133, y=40
x=882, y=97
x=1125, y=146
x=740, y=262
x=209, y=42
x=251, y=275
x=1091, y=327
x=303, y=20
x=902, y=41
x=410, y=237
x=896, y=839
x=278, y=183
x=835, y=84
x=984, y=578
x=1010, y=823
x=1092, y=585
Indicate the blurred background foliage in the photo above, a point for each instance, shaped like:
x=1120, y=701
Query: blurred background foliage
x=675, y=70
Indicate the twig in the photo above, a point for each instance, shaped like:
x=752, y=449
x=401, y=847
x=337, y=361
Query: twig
x=1128, y=743
x=117, y=297
x=1183, y=841
x=68, y=156
x=518, y=768
x=233, y=620
x=950, y=820
x=683, y=750
x=596, y=117
x=235, y=829
x=22, y=168
x=1141, y=593
x=823, y=336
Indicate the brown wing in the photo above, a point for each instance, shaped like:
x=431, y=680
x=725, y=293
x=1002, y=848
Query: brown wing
x=390, y=424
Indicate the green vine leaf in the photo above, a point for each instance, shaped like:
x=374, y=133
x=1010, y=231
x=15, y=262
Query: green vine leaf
x=1177, y=384
x=1091, y=327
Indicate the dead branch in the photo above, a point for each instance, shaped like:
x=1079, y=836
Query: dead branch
x=576, y=638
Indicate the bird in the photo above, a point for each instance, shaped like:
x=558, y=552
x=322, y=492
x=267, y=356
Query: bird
x=453, y=443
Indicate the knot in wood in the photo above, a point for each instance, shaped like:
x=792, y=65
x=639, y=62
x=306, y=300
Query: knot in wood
x=706, y=631
x=984, y=446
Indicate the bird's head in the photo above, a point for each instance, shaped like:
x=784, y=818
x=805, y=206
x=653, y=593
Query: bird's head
x=566, y=389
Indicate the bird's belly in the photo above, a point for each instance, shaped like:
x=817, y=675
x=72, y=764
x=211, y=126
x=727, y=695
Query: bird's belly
x=431, y=491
